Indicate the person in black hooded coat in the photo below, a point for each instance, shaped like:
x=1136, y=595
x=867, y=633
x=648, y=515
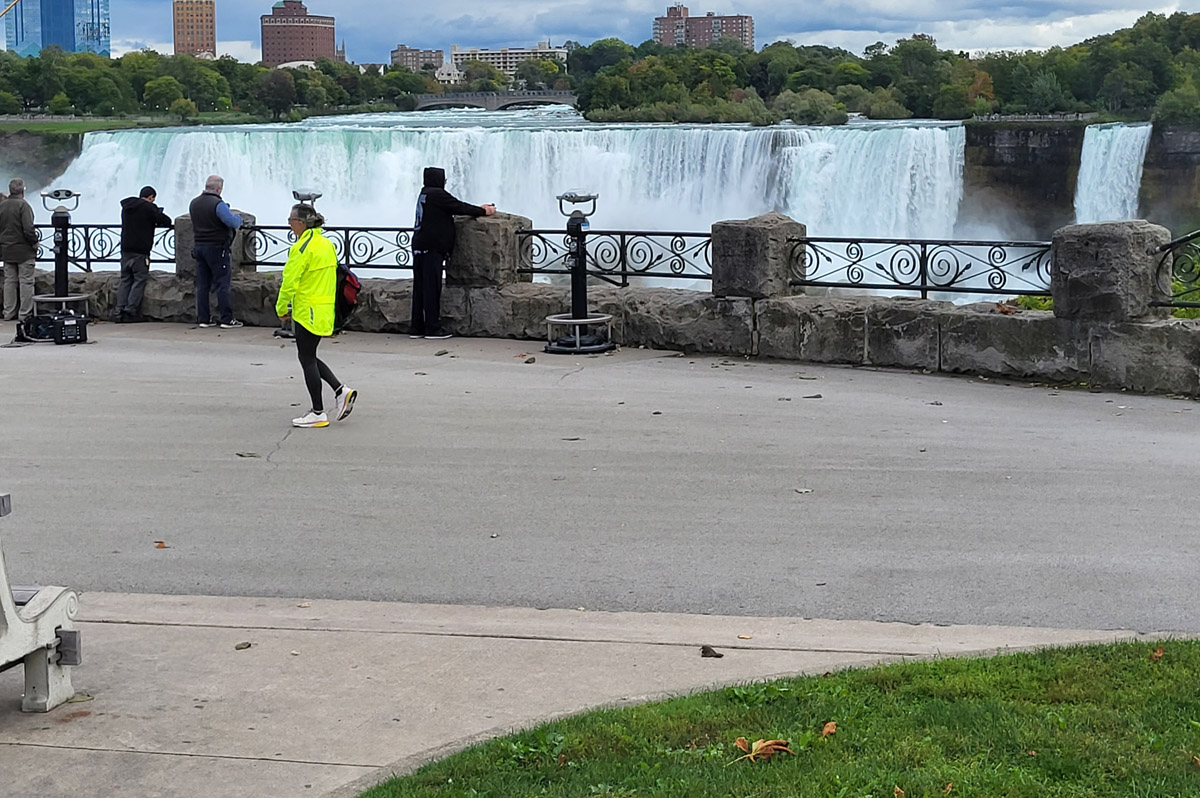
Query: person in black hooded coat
x=433, y=242
x=139, y=219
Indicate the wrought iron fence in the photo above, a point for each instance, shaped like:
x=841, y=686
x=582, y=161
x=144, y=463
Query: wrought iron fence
x=1007, y=268
x=89, y=245
x=617, y=256
x=385, y=248
x=1178, y=273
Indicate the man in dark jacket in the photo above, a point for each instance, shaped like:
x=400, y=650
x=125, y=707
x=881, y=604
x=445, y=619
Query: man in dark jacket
x=19, y=244
x=433, y=242
x=215, y=225
x=139, y=217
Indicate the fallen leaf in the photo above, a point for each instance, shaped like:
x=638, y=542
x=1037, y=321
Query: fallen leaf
x=80, y=698
x=1031, y=753
x=1004, y=310
x=656, y=413
x=1157, y=655
x=1196, y=759
x=572, y=439
x=494, y=536
x=241, y=647
x=760, y=749
x=899, y=793
x=158, y=544
x=745, y=637
x=420, y=374
x=530, y=360
x=441, y=352
x=804, y=491
x=295, y=653
x=710, y=652
x=829, y=730
x=257, y=364
x=934, y=404
x=305, y=605
x=815, y=396
x=248, y=454
x=949, y=787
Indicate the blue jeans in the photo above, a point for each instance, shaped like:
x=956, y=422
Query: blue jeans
x=213, y=270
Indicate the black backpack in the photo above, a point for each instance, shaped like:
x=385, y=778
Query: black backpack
x=346, y=300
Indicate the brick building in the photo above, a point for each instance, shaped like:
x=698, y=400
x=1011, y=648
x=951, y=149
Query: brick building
x=195, y=27
x=679, y=27
x=290, y=33
x=507, y=59
x=413, y=59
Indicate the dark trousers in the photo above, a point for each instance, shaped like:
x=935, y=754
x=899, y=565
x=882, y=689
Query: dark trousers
x=314, y=368
x=427, y=293
x=135, y=270
x=213, y=270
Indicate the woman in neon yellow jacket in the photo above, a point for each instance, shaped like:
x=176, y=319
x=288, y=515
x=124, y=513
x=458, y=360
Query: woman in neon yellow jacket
x=307, y=295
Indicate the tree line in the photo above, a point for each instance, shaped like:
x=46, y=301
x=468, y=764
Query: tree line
x=1150, y=70
x=149, y=82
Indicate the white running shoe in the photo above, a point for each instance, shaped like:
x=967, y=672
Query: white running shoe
x=311, y=421
x=345, y=402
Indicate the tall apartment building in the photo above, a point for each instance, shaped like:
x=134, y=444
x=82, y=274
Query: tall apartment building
x=507, y=59
x=290, y=33
x=678, y=27
x=77, y=26
x=413, y=60
x=195, y=27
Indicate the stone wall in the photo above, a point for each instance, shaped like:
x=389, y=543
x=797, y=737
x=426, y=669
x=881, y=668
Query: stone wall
x=1103, y=331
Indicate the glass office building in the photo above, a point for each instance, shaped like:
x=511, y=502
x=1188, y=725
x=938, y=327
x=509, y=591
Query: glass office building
x=77, y=26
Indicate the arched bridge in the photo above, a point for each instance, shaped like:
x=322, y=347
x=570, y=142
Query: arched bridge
x=495, y=100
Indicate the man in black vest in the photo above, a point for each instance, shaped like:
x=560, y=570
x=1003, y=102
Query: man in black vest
x=214, y=225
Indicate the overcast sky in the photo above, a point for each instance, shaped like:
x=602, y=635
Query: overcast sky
x=371, y=28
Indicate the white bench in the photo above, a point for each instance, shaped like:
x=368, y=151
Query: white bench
x=37, y=630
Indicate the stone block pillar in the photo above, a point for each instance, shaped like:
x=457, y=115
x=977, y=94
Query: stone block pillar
x=1107, y=272
x=753, y=257
x=241, y=253
x=488, y=252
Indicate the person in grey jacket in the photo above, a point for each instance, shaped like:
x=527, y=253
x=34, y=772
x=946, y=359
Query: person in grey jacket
x=19, y=245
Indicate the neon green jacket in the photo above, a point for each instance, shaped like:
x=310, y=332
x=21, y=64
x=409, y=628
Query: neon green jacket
x=310, y=282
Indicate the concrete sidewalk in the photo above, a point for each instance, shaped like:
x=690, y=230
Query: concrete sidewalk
x=333, y=696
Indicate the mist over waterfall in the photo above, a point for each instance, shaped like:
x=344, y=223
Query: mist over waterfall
x=1110, y=172
x=871, y=180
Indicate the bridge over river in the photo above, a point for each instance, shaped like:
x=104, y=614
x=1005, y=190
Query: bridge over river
x=495, y=100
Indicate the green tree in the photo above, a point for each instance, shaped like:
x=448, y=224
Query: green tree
x=1129, y=87
x=1046, y=95
x=811, y=107
x=60, y=105
x=1179, y=106
x=10, y=103
x=277, y=92
x=161, y=92
x=184, y=109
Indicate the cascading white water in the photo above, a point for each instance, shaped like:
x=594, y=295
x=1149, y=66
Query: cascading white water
x=1110, y=172
x=869, y=180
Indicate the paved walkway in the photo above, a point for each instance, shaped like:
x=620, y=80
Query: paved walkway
x=676, y=500
x=333, y=696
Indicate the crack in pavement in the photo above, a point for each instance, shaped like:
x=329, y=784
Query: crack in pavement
x=279, y=446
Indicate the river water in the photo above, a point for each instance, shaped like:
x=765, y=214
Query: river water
x=880, y=179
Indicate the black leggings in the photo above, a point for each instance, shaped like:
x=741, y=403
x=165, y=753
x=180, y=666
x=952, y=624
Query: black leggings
x=315, y=369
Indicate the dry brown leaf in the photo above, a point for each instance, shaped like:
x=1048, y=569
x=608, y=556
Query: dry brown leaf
x=829, y=730
x=1196, y=759
x=899, y=793
x=1031, y=753
x=1157, y=655
x=949, y=787
x=745, y=637
x=160, y=544
x=760, y=749
x=1005, y=310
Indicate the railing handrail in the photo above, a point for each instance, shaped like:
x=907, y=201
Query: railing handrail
x=931, y=241
x=646, y=233
x=1187, y=239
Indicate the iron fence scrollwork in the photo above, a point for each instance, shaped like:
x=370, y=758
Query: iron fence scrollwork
x=1178, y=274
x=922, y=266
x=384, y=248
x=617, y=256
x=89, y=245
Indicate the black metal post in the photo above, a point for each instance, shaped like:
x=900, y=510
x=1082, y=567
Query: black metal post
x=61, y=219
x=577, y=229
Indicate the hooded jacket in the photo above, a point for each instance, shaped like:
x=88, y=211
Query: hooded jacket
x=139, y=217
x=310, y=283
x=436, y=209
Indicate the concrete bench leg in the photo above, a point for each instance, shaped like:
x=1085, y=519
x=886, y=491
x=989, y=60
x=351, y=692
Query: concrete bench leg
x=47, y=684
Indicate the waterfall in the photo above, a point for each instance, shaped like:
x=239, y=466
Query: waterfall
x=1110, y=172
x=871, y=180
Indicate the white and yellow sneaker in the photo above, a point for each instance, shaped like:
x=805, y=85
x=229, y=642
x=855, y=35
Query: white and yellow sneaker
x=345, y=402
x=311, y=421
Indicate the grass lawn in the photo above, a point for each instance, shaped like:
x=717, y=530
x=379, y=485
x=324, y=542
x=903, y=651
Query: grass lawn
x=1092, y=721
x=91, y=125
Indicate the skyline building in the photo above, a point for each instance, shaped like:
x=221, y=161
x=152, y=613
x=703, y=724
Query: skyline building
x=290, y=33
x=506, y=59
x=414, y=59
x=76, y=26
x=679, y=27
x=195, y=24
